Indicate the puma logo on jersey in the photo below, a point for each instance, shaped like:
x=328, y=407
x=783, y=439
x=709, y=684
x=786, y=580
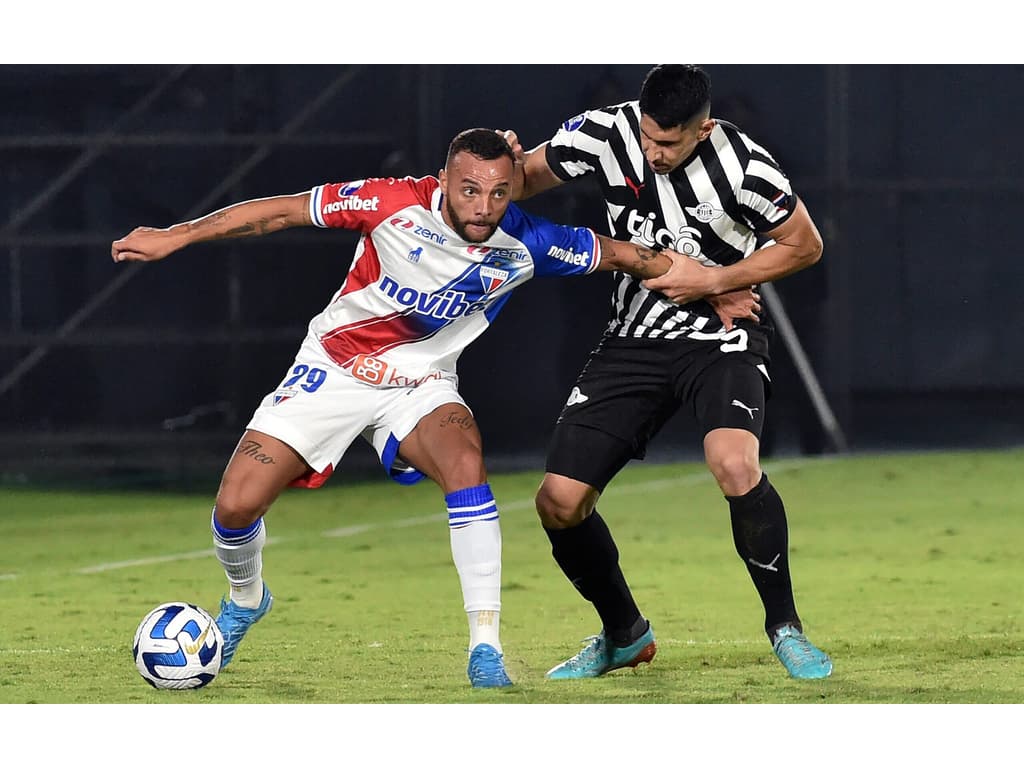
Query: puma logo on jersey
x=576, y=397
x=745, y=407
x=634, y=186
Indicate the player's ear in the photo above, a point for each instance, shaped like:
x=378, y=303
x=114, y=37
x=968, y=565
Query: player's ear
x=442, y=176
x=706, y=127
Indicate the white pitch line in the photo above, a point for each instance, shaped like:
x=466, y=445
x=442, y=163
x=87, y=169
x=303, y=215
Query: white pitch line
x=195, y=555
x=349, y=530
x=355, y=530
x=146, y=561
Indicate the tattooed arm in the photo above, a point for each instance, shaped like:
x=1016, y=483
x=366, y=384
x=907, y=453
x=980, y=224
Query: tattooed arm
x=248, y=219
x=642, y=263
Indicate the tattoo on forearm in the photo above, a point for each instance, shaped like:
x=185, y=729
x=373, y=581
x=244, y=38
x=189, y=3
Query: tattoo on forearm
x=247, y=229
x=258, y=227
x=644, y=260
x=255, y=451
x=460, y=420
x=645, y=254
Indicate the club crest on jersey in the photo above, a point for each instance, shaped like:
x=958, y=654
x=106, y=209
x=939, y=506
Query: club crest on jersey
x=492, y=278
x=705, y=212
x=574, y=122
x=414, y=255
x=283, y=394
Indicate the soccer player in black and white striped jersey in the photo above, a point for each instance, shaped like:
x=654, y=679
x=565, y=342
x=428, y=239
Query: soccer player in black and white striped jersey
x=674, y=178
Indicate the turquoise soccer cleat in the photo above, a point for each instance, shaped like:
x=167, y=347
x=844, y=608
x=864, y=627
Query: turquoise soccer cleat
x=487, y=668
x=799, y=655
x=599, y=656
x=234, y=621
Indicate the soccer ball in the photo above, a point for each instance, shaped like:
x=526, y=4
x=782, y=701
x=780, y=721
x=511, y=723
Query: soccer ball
x=178, y=645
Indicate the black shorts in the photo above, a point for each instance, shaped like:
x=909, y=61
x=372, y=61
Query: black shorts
x=630, y=388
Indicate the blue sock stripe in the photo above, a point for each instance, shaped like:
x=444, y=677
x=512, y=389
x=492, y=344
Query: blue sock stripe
x=470, y=497
x=469, y=505
x=463, y=521
x=475, y=508
x=489, y=513
x=237, y=536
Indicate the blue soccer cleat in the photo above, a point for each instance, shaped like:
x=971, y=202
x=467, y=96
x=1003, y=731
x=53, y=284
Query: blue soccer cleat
x=234, y=621
x=487, y=668
x=599, y=656
x=799, y=655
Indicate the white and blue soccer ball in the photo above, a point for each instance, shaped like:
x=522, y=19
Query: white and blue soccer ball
x=178, y=646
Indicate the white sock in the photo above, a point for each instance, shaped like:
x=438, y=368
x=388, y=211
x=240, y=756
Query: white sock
x=476, y=550
x=483, y=628
x=240, y=552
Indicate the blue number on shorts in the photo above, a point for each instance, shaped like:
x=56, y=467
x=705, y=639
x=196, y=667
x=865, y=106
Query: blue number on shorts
x=314, y=377
x=299, y=371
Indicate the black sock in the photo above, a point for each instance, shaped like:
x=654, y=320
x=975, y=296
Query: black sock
x=761, y=536
x=589, y=558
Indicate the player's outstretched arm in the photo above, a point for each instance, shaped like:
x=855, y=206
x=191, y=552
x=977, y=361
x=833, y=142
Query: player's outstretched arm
x=247, y=219
x=642, y=263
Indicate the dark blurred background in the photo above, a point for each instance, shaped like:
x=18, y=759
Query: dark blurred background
x=146, y=374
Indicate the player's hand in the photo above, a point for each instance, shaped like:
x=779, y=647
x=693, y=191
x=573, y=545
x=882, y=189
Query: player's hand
x=513, y=142
x=742, y=304
x=685, y=281
x=144, y=244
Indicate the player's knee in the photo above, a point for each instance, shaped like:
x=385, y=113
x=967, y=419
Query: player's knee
x=558, y=509
x=736, y=472
x=238, y=507
x=463, y=469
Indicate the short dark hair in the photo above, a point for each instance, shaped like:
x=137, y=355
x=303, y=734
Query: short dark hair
x=484, y=143
x=673, y=94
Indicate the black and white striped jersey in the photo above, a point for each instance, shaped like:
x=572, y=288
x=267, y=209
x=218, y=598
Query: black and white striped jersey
x=710, y=208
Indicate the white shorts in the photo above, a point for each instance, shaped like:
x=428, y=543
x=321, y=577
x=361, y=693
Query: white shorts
x=319, y=410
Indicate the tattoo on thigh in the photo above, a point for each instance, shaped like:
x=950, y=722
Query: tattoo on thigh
x=255, y=450
x=460, y=420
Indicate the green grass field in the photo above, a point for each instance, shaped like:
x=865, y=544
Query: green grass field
x=906, y=569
